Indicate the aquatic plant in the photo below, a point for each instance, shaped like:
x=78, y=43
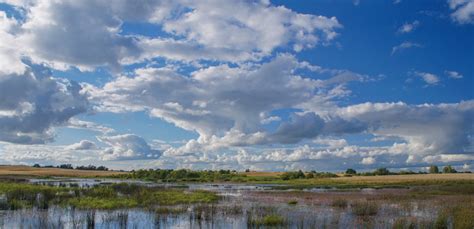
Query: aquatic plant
x=269, y=220
x=364, y=208
x=17, y=196
x=339, y=203
x=292, y=202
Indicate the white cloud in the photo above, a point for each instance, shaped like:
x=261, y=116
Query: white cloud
x=429, y=78
x=91, y=126
x=331, y=143
x=463, y=11
x=405, y=45
x=82, y=145
x=127, y=147
x=427, y=129
x=11, y=58
x=368, y=160
x=408, y=27
x=453, y=74
x=32, y=103
x=237, y=99
x=466, y=167
x=88, y=35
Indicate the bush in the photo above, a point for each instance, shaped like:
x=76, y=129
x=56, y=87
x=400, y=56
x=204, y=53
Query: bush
x=351, y=171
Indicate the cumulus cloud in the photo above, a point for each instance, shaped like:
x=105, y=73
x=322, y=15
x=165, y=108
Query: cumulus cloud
x=127, y=147
x=453, y=74
x=117, y=148
x=408, y=27
x=82, y=145
x=232, y=96
x=368, y=161
x=188, y=31
x=32, y=103
x=11, y=58
x=426, y=129
x=463, y=11
x=220, y=101
x=405, y=45
x=45, y=155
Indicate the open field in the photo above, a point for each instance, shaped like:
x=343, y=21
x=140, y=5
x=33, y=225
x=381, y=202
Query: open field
x=20, y=170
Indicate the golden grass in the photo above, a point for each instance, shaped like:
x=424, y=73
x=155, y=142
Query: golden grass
x=20, y=170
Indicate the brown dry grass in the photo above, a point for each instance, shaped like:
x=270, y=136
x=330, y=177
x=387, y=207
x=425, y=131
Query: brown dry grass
x=20, y=170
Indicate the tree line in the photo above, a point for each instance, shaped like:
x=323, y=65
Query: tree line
x=69, y=166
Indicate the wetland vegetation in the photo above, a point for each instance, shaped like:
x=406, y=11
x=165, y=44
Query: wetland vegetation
x=222, y=199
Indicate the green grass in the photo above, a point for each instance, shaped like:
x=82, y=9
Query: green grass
x=102, y=197
x=293, y=202
x=102, y=203
x=269, y=220
x=460, y=216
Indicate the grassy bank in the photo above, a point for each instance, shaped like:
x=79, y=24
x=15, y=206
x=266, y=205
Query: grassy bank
x=16, y=196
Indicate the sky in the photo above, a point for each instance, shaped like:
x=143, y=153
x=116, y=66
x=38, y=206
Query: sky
x=261, y=85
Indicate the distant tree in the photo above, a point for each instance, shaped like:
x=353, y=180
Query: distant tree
x=37, y=166
x=351, y=171
x=449, y=169
x=381, y=171
x=247, y=170
x=434, y=169
x=65, y=166
x=300, y=174
x=310, y=175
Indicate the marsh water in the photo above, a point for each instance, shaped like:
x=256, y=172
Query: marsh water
x=238, y=207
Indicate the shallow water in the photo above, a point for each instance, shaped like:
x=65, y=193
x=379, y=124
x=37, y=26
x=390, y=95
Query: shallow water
x=239, y=206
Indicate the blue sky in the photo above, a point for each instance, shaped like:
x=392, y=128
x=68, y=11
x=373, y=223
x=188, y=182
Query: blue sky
x=265, y=85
